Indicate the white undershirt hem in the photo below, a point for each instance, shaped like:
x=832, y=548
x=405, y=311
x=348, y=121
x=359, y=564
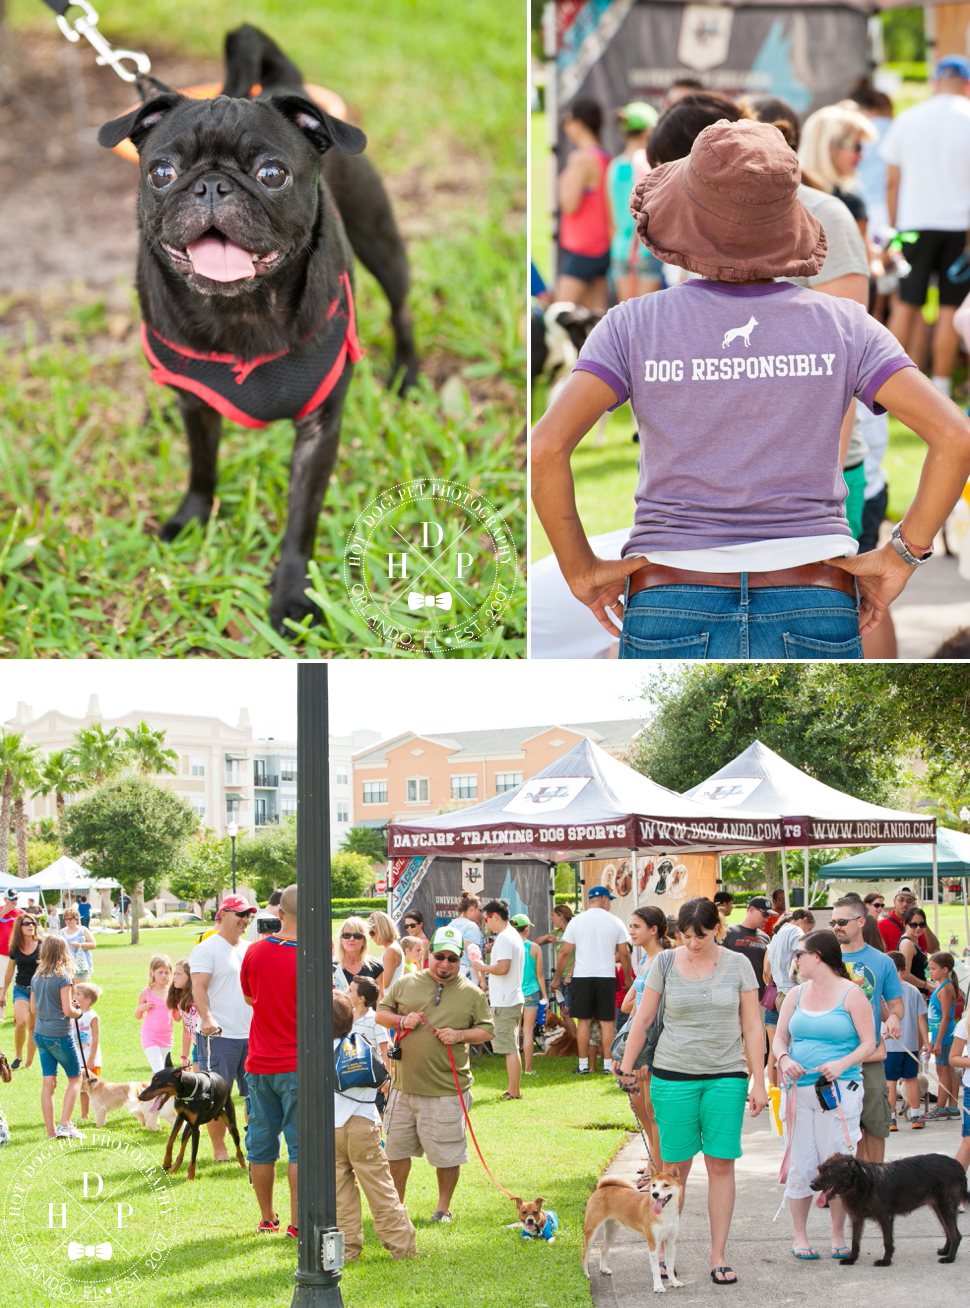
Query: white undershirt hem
x=757, y=556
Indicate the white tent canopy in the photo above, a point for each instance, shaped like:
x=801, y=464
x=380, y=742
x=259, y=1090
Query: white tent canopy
x=62, y=874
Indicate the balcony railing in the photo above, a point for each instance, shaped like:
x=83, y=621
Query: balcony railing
x=264, y=781
x=267, y=819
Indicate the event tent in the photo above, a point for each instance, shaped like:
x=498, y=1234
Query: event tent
x=908, y=862
x=812, y=814
x=62, y=874
x=584, y=801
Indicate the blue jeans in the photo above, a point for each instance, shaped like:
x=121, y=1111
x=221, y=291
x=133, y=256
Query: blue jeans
x=721, y=622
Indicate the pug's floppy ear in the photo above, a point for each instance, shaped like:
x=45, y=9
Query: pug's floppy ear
x=319, y=127
x=136, y=125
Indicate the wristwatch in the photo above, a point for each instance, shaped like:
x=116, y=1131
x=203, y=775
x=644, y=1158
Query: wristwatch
x=905, y=553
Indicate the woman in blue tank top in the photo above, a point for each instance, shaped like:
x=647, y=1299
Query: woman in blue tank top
x=825, y=1033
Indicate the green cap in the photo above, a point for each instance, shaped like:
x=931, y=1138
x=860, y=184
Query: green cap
x=636, y=116
x=520, y=920
x=447, y=938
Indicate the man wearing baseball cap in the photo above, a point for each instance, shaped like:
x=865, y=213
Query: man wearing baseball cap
x=436, y=1012
x=750, y=939
x=594, y=936
x=927, y=149
x=216, y=963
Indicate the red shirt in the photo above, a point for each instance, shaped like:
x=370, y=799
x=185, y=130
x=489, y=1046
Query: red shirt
x=268, y=978
x=6, y=927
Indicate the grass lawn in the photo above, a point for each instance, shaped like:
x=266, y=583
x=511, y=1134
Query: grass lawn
x=555, y=1143
x=92, y=456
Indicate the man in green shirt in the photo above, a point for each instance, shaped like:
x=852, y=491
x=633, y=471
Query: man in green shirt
x=440, y=1011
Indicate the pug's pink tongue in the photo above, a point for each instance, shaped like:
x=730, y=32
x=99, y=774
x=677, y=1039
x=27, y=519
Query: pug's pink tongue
x=220, y=260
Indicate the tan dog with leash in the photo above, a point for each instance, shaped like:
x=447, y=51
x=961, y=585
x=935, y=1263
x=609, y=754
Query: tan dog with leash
x=653, y=1212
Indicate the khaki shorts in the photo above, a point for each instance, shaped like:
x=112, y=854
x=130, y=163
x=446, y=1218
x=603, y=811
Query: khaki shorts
x=426, y=1124
x=506, y=1021
x=876, y=1113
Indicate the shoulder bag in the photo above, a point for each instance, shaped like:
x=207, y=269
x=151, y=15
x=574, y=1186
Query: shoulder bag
x=645, y=1056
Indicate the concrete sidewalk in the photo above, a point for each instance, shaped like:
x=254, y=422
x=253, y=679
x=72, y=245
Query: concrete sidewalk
x=934, y=605
x=759, y=1250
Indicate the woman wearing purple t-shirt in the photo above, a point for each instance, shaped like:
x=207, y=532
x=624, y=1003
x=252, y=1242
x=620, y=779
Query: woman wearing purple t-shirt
x=740, y=546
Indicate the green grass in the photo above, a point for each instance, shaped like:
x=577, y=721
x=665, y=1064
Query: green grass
x=85, y=480
x=539, y=1146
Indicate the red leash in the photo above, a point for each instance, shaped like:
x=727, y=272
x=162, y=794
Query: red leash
x=461, y=1100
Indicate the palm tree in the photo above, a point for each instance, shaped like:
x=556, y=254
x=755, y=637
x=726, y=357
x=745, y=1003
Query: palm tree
x=61, y=776
x=97, y=755
x=23, y=765
x=146, y=748
x=9, y=744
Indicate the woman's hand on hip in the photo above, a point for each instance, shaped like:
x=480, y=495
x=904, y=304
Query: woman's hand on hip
x=881, y=575
x=600, y=588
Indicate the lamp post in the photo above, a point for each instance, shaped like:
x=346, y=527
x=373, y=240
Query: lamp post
x=232, y=831
x=321, y=1244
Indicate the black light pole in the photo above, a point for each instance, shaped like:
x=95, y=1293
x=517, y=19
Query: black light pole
x=321, y=1244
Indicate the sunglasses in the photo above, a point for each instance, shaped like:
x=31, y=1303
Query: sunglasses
x=28, y=921
x=915, y=923
x=844, y=921
x=410, y=925
x=351, y=935
x=878, y=903
x=799, y=953
x=445, y=958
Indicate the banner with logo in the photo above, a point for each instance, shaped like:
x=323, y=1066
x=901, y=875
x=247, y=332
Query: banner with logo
x=664, y=881
x=616, y=51
x=522, y=883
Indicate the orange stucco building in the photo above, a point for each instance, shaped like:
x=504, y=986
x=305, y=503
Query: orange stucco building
x=417, y=775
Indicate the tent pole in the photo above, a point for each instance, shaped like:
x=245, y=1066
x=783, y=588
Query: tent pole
x=805, y=852
x=936, y=893
x=784, y=875
x=966, y=913
x=633, y=873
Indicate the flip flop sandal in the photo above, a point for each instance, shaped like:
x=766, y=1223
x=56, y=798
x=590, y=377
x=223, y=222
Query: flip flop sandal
x=843, y=1252
x=723, y=1270
x=805, y=1253
x=508, y=1096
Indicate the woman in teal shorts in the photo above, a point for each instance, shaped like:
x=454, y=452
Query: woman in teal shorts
x=700, y=1084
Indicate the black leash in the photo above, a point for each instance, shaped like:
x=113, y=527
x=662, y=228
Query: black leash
x=108, y=55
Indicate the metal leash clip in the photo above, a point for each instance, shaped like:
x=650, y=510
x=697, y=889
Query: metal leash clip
x=108, y=55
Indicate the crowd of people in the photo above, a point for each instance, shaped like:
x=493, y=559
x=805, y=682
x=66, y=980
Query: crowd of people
x=758, y=514
x=843, y=1024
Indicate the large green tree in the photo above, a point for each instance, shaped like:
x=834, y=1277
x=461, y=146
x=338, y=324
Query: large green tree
x=132, y=830
x=22, y=764
x=98, y=755
x=350, y=874
x=204, y=873
x=59, y=776
x=10, y=744
x=266, y=859
x=705, y=715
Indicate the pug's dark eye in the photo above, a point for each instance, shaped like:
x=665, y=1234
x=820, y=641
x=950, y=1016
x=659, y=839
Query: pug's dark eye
x=161, y=176
x=273, y=176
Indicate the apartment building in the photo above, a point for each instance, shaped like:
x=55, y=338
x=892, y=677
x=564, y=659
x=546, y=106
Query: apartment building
x=223, y=773
x=415, y=774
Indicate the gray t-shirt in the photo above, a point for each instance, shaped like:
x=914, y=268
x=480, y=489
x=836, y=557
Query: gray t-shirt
x=846, y=251
x=51, y=1021
x=739, y=394
x=702, y=1018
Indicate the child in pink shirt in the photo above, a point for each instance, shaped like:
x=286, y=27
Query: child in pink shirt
x=154, y=1014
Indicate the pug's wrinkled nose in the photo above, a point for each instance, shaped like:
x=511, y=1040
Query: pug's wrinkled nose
x=213, y=187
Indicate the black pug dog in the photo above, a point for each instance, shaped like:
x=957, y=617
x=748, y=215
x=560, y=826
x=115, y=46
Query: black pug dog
x=249, y=210
x=880, y=1191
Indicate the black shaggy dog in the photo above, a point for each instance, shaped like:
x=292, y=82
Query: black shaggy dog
x=880, y=1191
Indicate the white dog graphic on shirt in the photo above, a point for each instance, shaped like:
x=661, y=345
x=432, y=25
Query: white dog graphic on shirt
x=744, y=331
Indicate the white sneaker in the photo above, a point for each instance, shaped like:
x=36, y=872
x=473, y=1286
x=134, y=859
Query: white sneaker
x=68, y=1131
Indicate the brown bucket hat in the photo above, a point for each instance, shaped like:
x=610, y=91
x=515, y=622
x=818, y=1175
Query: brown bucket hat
x=730, y=210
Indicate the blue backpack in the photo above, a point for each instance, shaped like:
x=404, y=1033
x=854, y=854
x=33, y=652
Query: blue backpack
x=357, y=1064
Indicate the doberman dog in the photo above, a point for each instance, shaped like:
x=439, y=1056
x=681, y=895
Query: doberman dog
x=200, y=1097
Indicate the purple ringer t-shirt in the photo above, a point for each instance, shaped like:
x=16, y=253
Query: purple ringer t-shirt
x=739, y=394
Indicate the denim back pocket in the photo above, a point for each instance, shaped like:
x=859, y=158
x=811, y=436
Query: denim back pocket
x=675, y=647
x=807, y=647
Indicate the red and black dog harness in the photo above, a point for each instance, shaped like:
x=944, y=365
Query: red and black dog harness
x=256, y=392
